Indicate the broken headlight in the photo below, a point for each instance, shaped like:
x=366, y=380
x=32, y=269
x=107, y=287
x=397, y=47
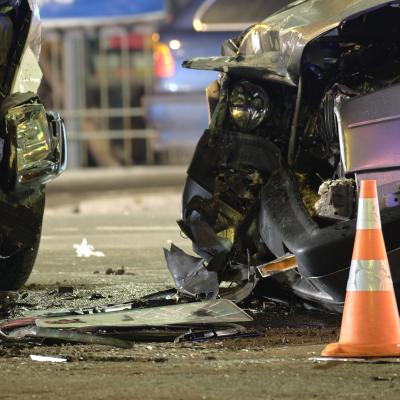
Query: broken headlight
x=35, y=152
x=248, y=105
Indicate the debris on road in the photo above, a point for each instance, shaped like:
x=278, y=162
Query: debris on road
x=70, y=336
x=47, y=359
x=190, y=276
x=65, y=290
x=62, y=290
x=120, y=325
x=118, y=271
x=96, y=296
x=7, y=302
x=234, y=331
x=84, y=249
x=209, y=312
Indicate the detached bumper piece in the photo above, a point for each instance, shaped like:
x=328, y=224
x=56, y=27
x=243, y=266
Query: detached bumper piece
x=35, y=146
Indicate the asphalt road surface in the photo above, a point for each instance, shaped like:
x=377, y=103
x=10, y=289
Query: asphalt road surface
x=131, y=229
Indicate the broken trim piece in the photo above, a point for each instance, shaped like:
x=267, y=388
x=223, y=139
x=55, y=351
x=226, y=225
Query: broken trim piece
x=281, y=264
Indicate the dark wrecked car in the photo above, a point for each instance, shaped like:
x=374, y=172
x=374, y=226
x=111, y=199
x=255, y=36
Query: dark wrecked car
x=307, y=105
x=32, y=142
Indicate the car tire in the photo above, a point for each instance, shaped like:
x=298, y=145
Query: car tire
x=20, y=232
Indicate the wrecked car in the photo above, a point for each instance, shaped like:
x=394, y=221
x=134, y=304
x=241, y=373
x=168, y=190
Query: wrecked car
x=306, y=106
x=32, y=142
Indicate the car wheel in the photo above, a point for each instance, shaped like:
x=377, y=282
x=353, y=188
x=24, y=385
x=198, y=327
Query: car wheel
x=20, y=231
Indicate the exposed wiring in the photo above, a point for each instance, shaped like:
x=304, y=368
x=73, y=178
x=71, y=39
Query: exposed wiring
x=321, y=276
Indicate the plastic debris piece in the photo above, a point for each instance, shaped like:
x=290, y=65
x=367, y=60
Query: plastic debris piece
x=21, y=333
x=78, y=337
x=239, y=293
x=222, y=332
x=190, y=275
x=65, y=290
x=281, y=264
x=118, y=271
x=17, y=323
x=206, y=239
x=208, y=312
x=62, y=312
x=65, y=335
x=96, y=296
x=8, y=301
x=86, y=250
x=162, y=298
x=47, y=359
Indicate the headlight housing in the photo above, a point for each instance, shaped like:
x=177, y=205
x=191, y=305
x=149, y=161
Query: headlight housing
x=249, y=105
x=35, y=146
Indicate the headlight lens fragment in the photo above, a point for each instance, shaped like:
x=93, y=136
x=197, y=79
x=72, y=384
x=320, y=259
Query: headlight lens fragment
x=248, y=105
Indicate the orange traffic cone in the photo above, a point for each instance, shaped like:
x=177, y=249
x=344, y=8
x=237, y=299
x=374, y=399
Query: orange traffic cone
x=370, y=322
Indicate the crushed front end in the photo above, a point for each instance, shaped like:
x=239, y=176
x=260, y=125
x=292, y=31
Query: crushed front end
x=272, y=187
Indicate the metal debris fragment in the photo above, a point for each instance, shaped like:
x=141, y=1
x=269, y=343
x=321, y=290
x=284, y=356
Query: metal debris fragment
x=190, y=275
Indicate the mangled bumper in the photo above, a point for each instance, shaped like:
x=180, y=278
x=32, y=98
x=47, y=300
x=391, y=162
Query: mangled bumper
x=323, y=254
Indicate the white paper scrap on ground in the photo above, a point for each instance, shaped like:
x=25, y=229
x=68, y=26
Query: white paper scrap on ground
x=47, y=359
x=86, y=250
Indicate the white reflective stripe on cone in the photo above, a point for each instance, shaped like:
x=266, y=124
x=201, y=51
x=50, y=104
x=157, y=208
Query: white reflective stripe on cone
x=369, y=275
x=368, y=216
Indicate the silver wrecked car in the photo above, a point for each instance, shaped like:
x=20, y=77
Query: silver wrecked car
x=305, y=107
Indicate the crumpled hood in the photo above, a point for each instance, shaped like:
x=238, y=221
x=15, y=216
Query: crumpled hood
x=273, y=49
